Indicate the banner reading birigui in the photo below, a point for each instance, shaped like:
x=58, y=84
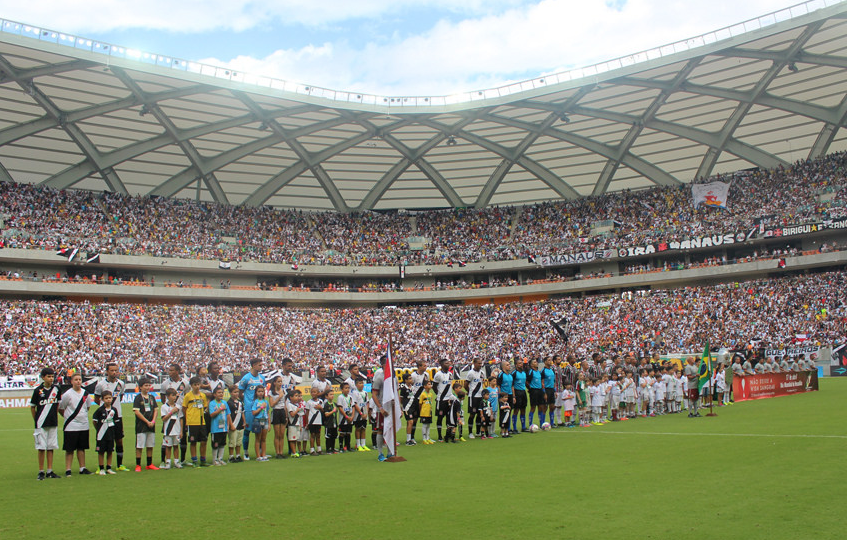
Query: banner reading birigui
x=773, y=384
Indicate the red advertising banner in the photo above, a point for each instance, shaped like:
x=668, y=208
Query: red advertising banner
x=773, y=384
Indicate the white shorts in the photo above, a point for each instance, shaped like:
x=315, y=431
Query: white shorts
x=46, y=438
x=145, y=440
x=304, y=434
x=169, y=441
x=294, y=433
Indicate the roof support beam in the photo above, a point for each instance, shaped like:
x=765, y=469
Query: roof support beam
x=412, y=157
x=317, y=169
x=277, y=182
x=505, y=166
x=645, y=168
x=707, y=165
x=536, y=169
x=75, y=173
x=47, y=122
x=218, y=194
x=15, y=75
x=4, y=174
x=113, y=181
x=379, y=189
x=740, y=149
x=540, y=172
x=637, y=127
x=780, y=56
x=827, y=133
x=821, y=60
x=182, y=179
x=493, y=183
x=79, y=138
x=789, y=105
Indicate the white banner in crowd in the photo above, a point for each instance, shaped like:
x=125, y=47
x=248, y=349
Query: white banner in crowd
x=713, y=194
x=795, y=350
x=18, y=382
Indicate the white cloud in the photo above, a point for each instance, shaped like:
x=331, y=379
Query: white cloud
x=485, y=51
x=77, y=16
x=486, y=42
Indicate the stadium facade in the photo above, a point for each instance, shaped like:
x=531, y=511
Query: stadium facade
x=80, y=114
x=77, y=113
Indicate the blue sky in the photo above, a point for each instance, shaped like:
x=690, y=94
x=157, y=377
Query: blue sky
x=400, y=47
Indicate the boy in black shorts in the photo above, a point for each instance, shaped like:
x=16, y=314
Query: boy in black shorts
x=105, y=420
x=454, y=411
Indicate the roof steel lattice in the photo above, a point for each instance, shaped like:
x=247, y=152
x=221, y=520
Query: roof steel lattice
x=74, y=115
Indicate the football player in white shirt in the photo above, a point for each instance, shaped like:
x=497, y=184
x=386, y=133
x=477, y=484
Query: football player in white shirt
x=473, y=384
x=116, y=386
x=419, y=379
x=443, y=379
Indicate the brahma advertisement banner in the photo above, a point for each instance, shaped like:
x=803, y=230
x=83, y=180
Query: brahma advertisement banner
x=773, y=384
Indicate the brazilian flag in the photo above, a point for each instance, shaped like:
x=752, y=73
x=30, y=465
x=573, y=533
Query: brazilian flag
x=705, y=377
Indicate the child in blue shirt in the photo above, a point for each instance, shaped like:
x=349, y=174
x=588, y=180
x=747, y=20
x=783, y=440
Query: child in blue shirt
x=493, y=402
x=220, y=425
x=259, y=425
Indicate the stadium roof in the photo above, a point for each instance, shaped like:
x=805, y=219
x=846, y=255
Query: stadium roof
x=90, y=115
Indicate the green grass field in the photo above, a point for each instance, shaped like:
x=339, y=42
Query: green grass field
x=765, y=469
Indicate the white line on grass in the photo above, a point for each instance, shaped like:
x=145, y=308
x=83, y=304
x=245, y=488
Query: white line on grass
x=710, y=434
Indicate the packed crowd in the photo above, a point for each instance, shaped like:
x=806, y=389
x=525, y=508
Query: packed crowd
x=146, y=338
x=40, y=217
x=769, y=198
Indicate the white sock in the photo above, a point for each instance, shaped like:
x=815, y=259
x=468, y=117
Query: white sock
x=408, y=437
x=379, y=442
x=319, y=449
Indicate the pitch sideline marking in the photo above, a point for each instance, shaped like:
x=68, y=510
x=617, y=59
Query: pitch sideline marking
x=713, y=434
